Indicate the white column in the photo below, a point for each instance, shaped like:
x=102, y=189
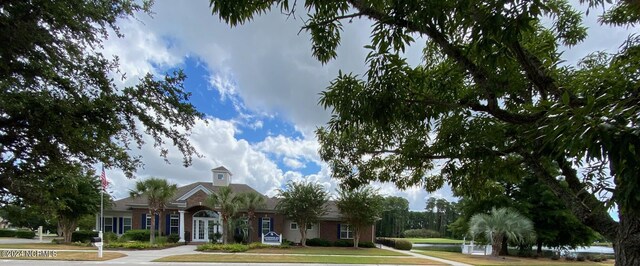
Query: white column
x=98, y=222
x=181, y=226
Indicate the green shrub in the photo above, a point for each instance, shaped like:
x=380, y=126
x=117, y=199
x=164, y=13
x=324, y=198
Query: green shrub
x=173, y=238
x=389, y=242
x=138, y=235
x=225, y=248
x=343, y=243
x=109, y=237
x=83, y=236
x=161, y=240
x=7, y=233
x=25, y=234
x=317, y=242
x=580, y=258
x=403, y=244
x=130, y=245
x=366, y=244
x=420, y=233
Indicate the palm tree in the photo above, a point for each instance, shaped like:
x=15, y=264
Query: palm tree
x=503, y=222
x=227, y=203
x=252, y=201
x=158, y=192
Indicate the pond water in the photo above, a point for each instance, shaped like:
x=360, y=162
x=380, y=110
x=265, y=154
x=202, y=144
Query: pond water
x=458, y=248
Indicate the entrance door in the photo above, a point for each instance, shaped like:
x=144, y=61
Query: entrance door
x=205, y=223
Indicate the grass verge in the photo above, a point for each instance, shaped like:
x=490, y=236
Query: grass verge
x=295, y=259
x=328, y=251
x=46, y=246
x=433, y=240
x=488, y=260
x=70, y=255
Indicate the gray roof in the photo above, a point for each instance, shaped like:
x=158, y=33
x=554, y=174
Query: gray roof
x=126, y=203
x=221, y=168
x=270, y=203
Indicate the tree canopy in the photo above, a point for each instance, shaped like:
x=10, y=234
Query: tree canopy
x=228, y=204
x=59, y=103
x=493, y=90
x=157, y=193
x=303, y=203
x=501, y=223
x=360, y=208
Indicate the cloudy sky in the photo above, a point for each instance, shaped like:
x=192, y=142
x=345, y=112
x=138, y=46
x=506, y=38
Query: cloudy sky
x=259, y=87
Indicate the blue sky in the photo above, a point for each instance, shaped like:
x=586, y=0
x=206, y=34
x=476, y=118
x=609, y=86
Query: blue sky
x=259, y=86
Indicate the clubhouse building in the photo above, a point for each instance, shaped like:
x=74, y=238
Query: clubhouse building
x=188, y=216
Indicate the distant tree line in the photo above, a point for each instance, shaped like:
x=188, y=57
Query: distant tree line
x=397, y=220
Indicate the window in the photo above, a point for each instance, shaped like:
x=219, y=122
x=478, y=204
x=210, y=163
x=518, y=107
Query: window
x=294, y=226
x=220, y=176
x=108, y=224
x=148, y=222
x=126, y=224
x=266, y=225
x=345, y=232
x=175, y=224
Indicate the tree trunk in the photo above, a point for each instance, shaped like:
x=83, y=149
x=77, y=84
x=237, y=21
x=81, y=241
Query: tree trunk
x=160, y=223
x=627, y=244
x=251, y=215
x=356, y=237
x=303, y=235
x=225, y=220
x=496, y=245
x=67, y=225
x=152, y=230
x=539, y=250
x=504, y=248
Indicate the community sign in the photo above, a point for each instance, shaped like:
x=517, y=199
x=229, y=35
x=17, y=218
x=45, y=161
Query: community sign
x=271, y=238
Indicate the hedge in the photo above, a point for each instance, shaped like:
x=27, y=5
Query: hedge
x=420, y=233
x=343, y=243
x=395, y=243
x=7, y=233
x=83, y=236
x=138, y=235
x=317, y=242
x=25, y=234
x=366, y=244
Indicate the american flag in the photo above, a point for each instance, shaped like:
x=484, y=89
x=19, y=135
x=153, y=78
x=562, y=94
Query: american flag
x=103, y=180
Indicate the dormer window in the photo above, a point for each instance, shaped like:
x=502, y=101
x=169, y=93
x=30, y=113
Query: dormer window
x=220, y=176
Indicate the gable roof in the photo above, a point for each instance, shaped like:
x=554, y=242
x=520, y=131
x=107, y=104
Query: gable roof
x=221, y=168
x=179, y=197
x=186, y=191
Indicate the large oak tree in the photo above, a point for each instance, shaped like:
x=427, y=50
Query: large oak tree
x=59, y=104
x=493, y=86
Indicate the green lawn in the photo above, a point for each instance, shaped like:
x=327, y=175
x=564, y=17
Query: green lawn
x=328, y=251
x=48, y=246
x=247, y=258
x=507, y=260
x=433, y=240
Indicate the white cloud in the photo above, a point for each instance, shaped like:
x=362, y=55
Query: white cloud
x=300, y=149
x=293, y=163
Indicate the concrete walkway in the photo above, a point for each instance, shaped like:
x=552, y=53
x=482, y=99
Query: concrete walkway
x=450, y=262
x=146, y=257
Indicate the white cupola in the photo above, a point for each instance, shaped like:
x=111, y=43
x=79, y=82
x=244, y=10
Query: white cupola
x=221, y=176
